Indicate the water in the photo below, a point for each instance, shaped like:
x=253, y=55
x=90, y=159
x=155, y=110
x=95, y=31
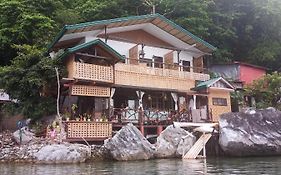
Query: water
x=267, y=165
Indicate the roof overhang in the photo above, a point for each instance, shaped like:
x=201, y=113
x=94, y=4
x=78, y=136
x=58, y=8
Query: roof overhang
x=116, y=56
x=211, y=82
x=155, y=19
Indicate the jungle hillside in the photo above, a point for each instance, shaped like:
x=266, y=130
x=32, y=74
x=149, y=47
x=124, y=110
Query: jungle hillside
x=241, y=30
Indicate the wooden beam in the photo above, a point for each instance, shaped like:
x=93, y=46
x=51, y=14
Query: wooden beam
x=93, y=56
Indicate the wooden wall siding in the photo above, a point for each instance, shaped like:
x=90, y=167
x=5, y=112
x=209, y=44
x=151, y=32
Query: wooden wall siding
x=94, y=91
x=134, y=55
x=198, y=65
x=134, y=75
x=169, y=61
x=78, y=129
x=70, y=66
x=93, y=72
x=138, y=36
x=218, y=110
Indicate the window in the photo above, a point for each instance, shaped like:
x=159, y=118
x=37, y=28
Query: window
x=219, y=101
x=186, y=65
x=147, y=61
x=158, y=62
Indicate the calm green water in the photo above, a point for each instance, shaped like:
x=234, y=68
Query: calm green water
x=268, y=165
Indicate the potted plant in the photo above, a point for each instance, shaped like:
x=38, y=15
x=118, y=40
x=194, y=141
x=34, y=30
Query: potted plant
x=74, y=108
x=86, y=117
x=67, y=115
x=89, y=117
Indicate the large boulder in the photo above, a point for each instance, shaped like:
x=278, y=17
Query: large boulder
x=129, y=144
x=63, y=153
x=99, y=153
x=173, y=142
x=251, y=133
x=23, y=136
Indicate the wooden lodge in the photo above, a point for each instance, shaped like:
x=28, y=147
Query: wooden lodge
x=142, y=69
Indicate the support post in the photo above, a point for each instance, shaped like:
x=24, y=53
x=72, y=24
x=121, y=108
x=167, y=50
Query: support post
x=141, y=126
x=159, y=129
x=194, y=101
x=140, y=111
x=142, y=129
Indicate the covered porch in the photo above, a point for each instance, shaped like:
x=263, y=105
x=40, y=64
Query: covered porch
x=157, y=107
x=95, y=117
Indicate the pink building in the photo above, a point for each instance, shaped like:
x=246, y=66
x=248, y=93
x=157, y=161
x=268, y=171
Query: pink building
x=239, y=73
x=248, y=72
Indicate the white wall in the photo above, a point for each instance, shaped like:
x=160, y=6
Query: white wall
x=124, y=47
x=154, y=51
x=121, y=47
x=183, y=56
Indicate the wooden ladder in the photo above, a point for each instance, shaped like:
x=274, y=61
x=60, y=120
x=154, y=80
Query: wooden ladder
x=197, y=147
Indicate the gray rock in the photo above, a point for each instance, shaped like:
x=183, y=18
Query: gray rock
x=129, y=144
x=173, y=142
x=63, y=153
x=253, y=133
x=27, y=136
x=99, y=153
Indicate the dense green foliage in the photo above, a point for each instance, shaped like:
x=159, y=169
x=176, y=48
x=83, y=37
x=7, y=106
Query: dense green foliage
x=28, y=79
x=243, y=30
x=267, y=91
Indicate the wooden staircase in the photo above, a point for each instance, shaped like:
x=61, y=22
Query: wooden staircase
x=198, y=146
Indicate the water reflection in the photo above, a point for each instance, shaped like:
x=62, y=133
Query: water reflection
x=269, y=165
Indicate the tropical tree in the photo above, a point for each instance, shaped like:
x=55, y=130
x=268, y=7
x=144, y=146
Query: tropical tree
x=31, y=81
x=267, y=91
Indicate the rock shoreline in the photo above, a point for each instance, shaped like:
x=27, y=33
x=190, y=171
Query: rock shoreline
x=250, y=133
x=41, y=151
x=127, y=144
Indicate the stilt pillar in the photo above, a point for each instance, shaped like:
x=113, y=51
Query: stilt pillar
x=159, y=129
x=142, y=129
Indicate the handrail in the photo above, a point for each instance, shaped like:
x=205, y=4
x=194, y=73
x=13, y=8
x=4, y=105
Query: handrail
x=152, y=115
x=176, y=65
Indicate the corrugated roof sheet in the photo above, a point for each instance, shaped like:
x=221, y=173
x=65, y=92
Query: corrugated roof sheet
x=144, y=18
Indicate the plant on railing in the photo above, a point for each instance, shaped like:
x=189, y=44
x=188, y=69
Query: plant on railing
x=67, y=115
x=86, y=117
x=74, y=108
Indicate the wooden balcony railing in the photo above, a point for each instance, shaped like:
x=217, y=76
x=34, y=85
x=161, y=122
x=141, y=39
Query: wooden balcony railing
x=154, y=116
x=144, y=76
x=93, y=72
x=88, y=130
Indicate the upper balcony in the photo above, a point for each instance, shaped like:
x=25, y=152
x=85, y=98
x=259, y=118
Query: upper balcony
x=169, y=70
x=90, y=72
x=93, y=72
x=144, y=73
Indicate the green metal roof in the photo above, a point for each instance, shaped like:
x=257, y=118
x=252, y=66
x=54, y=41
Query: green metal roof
x=209, y=83
x=187, y=32
x=109, y=21
x=91, y=43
